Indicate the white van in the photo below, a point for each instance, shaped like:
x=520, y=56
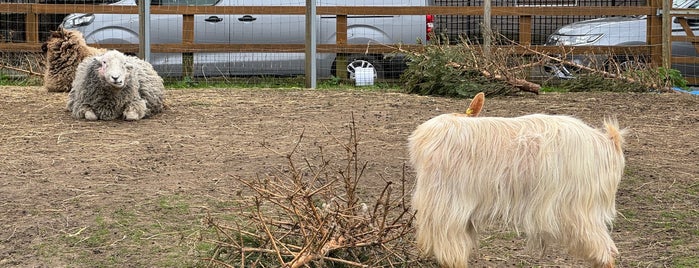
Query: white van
x=259, y=29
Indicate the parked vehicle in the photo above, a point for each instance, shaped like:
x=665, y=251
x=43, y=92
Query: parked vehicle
x=620, y=31
x=259, y=29
x=13, y=25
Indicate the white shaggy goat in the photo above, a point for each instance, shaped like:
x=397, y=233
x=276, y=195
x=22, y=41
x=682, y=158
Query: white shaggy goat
x=114, y=85
x=64, y=49
x=552, y=177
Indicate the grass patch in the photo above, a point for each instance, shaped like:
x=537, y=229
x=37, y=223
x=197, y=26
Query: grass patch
x=689, y=261
x=20, y=81
x=164, y=232
x=297, y=82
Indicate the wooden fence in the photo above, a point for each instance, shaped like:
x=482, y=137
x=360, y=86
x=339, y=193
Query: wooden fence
x=655, y=32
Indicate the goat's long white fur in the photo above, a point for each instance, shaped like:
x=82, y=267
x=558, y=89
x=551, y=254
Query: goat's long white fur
x=552, y=177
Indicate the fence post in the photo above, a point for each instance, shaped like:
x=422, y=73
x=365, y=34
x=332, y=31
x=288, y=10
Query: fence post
x=654, y=32
x=188, y=41
x=341, y=41
x=525, y=30
x=311, y=73
x=667, y=34
x=144, y=30
x=487, y=29
x=31, y=22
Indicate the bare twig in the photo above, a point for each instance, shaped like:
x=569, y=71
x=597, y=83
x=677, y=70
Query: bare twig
x=309, y=216
x=29, y=72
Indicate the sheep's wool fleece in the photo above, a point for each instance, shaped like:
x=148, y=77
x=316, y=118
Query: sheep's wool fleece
x=143, y=92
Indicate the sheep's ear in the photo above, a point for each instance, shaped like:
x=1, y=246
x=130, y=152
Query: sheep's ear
x=129, y=66
x=57, y=34
x=98, y=60
x=476, y=105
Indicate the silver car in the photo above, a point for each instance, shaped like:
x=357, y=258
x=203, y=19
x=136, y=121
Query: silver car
x=259, y=29
x=620, y=31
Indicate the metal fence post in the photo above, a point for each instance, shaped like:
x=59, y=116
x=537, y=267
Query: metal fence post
x=144, y=30
x=311, y=49
x=310, y=64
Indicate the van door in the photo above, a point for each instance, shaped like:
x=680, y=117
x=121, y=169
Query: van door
x=266, y=29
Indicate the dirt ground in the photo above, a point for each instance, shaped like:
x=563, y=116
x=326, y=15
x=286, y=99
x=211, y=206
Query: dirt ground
x=133, y=194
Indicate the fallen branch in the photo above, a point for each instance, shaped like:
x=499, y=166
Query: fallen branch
x=29, y=72
x=521, y=84
x=562, y=60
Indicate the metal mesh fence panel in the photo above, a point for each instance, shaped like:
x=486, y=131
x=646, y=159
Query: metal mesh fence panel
x=456, y=27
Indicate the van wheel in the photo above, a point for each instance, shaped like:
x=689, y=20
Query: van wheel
x=360, y=61
x=620, y=64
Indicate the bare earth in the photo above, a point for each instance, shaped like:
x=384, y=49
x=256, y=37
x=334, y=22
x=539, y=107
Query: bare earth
x=132, y=194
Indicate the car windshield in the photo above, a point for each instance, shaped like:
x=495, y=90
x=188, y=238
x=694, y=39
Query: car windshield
x=181, y=2
x=685, y=4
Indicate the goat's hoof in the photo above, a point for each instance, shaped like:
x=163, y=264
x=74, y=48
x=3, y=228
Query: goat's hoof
x=90, y=115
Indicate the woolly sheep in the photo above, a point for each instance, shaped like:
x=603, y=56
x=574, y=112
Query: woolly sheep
x=64, y=49
x=114, y=85
x=552, y=177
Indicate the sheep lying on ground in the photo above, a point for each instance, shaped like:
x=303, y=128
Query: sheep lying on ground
x=551, y=177
x=65, y=49
x=112, y=86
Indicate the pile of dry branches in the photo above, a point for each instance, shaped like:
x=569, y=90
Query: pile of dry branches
x=313, y=214
x=460, y=69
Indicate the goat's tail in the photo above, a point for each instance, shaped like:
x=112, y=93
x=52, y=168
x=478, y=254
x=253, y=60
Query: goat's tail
x=615, y=133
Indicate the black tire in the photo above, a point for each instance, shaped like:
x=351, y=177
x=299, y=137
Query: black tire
x=360, y=60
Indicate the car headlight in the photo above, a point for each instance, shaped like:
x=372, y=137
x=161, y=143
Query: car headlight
x=573, y=40
x=75, y=21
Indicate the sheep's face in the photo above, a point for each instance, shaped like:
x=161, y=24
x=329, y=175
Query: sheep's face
x=114, y=69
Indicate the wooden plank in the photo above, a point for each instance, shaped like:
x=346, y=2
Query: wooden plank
x=692, y=80
x=15, y=8
x=496, y=10
x=31, y=26
x=20, y=47
x=97, y=9
x=188, y=40
x=188, y=29
x=525, y=30
x=341, y=30
x=341, y=41
x=686, y=60
x=336, y=10
x=329, y=48
x=666, y=22
x=654, y=34
x=688, y=31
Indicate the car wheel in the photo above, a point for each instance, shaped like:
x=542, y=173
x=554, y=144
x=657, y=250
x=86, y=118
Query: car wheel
x=360, y=61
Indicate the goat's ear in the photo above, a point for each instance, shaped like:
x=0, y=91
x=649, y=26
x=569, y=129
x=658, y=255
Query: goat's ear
x=476, y=105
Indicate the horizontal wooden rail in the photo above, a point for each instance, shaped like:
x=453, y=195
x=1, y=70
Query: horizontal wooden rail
x=333, y=48
x=333, y=10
